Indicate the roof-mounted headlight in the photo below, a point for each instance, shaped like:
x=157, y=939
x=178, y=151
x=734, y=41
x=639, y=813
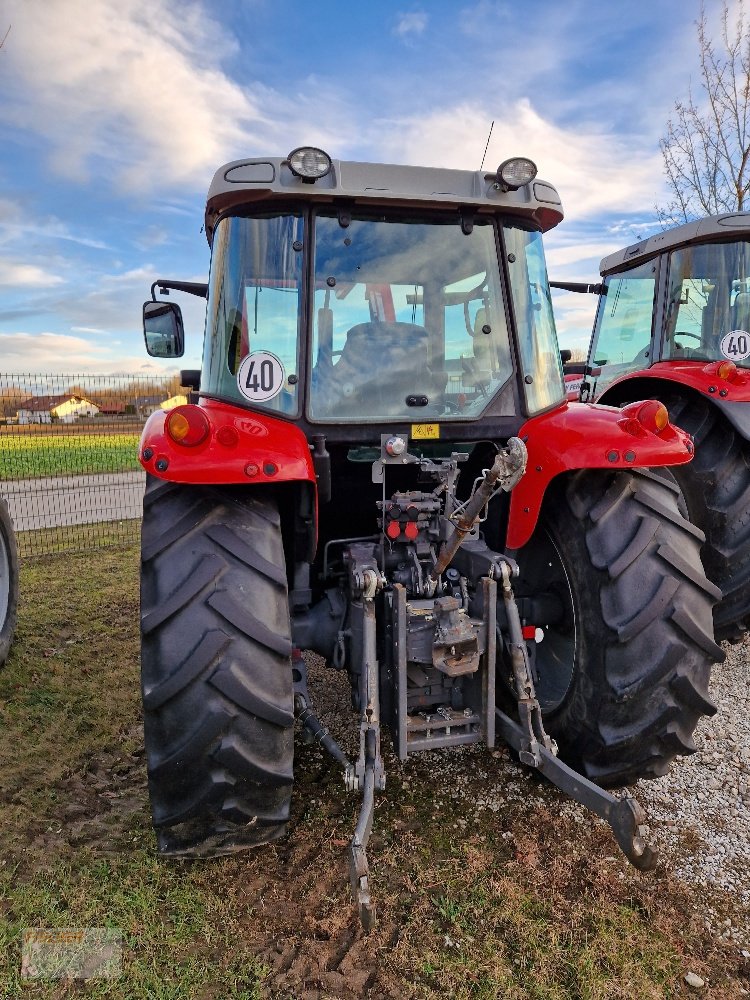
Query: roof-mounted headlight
x=514, y=173
x=309, y=163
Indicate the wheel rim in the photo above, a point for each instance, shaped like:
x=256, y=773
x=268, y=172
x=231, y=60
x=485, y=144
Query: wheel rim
x=545, y=597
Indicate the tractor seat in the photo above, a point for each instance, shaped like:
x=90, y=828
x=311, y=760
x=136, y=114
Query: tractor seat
x=380, y=364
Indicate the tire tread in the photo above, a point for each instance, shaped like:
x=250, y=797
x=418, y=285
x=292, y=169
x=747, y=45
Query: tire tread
x=218, y=718
x=716, y=485
x=646, y=643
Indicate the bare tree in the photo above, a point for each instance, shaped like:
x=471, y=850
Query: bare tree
x=706, y=149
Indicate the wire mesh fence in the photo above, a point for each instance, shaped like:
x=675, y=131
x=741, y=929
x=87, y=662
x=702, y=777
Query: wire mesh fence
x=68, y=456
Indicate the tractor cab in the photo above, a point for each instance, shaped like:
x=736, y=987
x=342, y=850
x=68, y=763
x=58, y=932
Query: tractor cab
x=334, y=303
x=355, y=317
x=681, y=298
x=673, y=322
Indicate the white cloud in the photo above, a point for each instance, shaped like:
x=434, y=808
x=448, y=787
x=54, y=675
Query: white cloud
x=564, y=256
x=633, y=230
x=59, y=352
x=574, y=319
x=135, y=92
x=411, y=23
x=127, y=81
x=154, y=236
x=27, y=276
x=595, y=172
x=16, y=223
x=45, y=349
x=136, y=276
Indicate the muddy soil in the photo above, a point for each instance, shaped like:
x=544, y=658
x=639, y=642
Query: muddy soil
x=294, y=895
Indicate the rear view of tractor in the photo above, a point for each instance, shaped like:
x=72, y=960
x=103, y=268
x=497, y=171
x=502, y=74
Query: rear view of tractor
x=673, y=322
x=379, y=465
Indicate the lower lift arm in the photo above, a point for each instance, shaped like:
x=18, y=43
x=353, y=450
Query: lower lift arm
x=535, y=748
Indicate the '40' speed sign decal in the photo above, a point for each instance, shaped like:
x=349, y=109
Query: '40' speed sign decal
x=260, y=376
x=735, y=345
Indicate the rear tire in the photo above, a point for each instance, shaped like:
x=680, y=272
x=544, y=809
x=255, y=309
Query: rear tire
x=8, y=582
x=716, y=487
x=624, y=665
x=216, y=668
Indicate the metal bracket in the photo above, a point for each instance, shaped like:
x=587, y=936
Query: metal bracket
x=369, y=773
x=536, y=749
x=625, y=816
x=535, y=739
x=359, y=868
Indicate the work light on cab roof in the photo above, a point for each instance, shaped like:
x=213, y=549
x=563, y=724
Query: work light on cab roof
x=514, y=173
x=309, y=163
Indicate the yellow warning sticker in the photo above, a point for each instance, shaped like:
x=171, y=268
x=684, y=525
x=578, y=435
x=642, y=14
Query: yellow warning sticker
x=423, y=432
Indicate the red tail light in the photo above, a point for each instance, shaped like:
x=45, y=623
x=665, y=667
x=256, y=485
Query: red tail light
x=720, y=369
x=187, y=425
x=652, y=415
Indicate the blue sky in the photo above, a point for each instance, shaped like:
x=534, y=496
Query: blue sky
x=114, y=115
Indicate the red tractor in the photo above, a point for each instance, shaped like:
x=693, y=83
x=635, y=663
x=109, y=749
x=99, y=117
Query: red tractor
x=378, y=464
x=673, y=322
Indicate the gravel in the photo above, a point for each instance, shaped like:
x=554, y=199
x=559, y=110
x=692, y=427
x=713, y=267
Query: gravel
x=706, y=797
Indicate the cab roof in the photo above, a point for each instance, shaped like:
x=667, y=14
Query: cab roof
x=713, y=227
x=243, y=183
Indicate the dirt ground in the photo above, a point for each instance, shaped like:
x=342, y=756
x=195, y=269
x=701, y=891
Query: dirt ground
x=489, y=883
x=291, y=901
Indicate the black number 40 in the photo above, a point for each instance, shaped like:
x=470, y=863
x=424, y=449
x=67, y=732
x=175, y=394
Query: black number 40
x=737, y=345
x=265, y=382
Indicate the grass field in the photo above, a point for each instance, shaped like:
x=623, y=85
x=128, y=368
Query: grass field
x=59, y=451
x=522, y=903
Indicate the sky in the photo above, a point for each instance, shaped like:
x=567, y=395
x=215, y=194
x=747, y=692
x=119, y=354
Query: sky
x=115, y=114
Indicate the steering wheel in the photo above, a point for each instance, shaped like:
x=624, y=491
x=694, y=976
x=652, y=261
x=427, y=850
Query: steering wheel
x=685, y=333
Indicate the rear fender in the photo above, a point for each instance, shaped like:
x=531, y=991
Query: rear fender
x=702, y=376
x=250, y=449
x=584, y=436
x=241, y=447
x=730, y=396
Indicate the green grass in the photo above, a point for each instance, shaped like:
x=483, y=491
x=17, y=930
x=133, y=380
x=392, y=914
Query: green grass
x=70, y=702
x=58, y=452
x=172, y=947
x=86, y=537
x=502, y=939
x=523, y=905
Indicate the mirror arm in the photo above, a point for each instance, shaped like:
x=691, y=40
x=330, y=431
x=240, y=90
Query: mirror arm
x=198, y=288
x=579, y=286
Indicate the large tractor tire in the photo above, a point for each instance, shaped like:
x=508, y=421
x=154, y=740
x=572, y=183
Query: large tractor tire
x=216, y=668
x=8, y=581
x=716, y=488
x=622, y=670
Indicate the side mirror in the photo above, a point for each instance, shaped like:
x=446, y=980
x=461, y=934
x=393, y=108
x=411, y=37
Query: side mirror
x=163, y=330
x=565, y=355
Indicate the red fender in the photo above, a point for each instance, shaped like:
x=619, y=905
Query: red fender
x=717, y=379
x=240, y=447
x=585, y=436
